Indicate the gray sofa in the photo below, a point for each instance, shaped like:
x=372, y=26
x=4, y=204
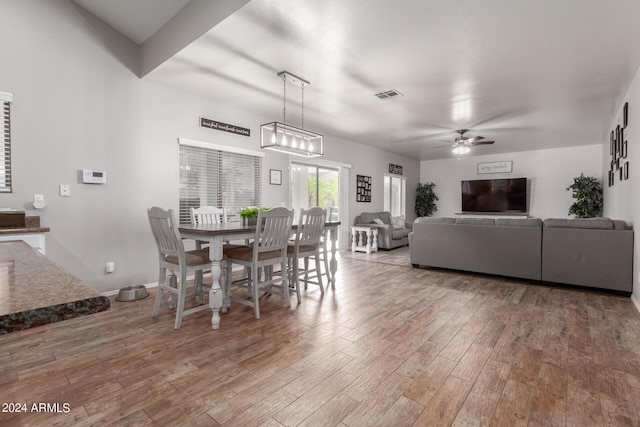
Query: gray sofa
x=505, y=247
x=594, y=252
x=389, y=237
x=586, y=252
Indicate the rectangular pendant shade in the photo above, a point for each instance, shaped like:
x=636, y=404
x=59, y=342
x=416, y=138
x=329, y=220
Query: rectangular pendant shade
x=288, y=139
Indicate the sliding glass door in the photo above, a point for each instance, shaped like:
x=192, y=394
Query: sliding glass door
x=313, y=185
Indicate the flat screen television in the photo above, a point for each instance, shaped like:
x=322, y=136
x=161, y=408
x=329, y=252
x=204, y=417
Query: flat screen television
x=494, y=195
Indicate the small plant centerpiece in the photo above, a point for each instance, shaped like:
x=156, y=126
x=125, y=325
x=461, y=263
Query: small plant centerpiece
x=587, y=192
x=249, y=214
x=425, y=199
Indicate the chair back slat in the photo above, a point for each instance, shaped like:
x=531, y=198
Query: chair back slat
x=274, y=234
x=208, y=215
x=311, y=226
x=165, y=232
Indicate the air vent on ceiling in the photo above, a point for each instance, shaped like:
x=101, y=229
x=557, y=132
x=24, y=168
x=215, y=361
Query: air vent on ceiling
x=389, y=94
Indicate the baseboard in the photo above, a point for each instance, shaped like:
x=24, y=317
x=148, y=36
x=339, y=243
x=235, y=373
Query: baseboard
x=635, y=301
x=155, y=284
x=115, y=292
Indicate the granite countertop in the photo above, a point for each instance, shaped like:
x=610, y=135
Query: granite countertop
x=19, y=230
x=31, y=225
x=35, y=291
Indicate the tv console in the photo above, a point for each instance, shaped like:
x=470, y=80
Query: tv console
x=493, y=215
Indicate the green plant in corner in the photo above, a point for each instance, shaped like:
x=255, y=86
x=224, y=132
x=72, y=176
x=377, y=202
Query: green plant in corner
x=425, y=199
x=587, y=192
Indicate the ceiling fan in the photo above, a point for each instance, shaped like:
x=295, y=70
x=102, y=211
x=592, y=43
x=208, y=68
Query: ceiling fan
x=462, y=143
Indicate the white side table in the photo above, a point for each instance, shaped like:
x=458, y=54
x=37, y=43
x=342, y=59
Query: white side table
x=364, y=239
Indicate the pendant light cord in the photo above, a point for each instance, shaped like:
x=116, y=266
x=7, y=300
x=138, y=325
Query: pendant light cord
x=302, y=115
x=284, y=98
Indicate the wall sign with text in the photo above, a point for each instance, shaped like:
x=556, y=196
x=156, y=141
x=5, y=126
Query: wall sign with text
x=495, y=167
x=225, y=127
x=395, y=169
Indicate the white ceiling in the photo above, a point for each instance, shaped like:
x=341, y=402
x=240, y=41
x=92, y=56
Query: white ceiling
x=527, y=74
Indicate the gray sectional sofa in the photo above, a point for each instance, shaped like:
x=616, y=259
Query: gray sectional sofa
x=505, y=247
x=389, y=236
x=587, y=252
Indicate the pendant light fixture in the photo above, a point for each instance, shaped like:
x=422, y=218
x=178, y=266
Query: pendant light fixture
x=289, y=139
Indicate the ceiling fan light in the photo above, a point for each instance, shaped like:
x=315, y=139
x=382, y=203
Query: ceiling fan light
x=461, y=149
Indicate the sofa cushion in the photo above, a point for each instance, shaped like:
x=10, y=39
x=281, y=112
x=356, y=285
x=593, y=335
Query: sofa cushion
x=399, y=233
x=397, y=221
x=591, y=223
x=476, y=221
x=368, y=217
x=435, y=220
x=619, y=224
x=519, y=222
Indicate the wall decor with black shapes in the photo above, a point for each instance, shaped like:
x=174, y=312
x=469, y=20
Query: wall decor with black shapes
x=363, y=189
x=618, y=149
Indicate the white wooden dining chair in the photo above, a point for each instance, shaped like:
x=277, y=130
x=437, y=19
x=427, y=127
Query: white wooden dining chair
x=308, y=243
x=268, y=249
x=207, y=215
x=173, y=259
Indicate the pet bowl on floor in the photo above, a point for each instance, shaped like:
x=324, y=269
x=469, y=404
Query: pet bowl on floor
x=132, y=293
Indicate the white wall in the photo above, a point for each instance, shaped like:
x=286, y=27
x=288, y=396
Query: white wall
x=621, y=201
x=549, y=173
x=77, y=105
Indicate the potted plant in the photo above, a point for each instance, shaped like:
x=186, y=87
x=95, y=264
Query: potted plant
x=249, y=214
x=587, y=192
x=426, y=199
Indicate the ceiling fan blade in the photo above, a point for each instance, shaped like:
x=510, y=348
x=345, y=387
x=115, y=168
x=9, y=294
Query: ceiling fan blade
x=443, y=146
x=475, y=138
x=482, y=143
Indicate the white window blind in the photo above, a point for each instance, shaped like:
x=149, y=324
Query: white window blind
x=213, y=176
x=5, y=156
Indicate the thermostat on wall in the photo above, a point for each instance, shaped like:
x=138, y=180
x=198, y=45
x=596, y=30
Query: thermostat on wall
x=94, y=177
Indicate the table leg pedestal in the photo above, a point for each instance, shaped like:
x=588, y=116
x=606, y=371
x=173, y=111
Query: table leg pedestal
x=216, y=294
x=333, y=263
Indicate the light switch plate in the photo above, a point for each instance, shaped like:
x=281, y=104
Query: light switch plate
x=65, y=190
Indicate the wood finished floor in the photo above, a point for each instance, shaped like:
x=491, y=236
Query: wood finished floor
x=390, y=345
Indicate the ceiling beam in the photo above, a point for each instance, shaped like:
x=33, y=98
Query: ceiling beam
x=193, y=20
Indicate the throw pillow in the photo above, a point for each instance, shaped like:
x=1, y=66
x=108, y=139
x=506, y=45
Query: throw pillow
x=397, y=221
x=378, y=221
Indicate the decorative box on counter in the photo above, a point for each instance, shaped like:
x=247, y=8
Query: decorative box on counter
x=12, y=219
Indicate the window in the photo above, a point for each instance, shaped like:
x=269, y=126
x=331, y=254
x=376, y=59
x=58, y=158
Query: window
x=213, y=175
x=5, y=157
x=395, y=194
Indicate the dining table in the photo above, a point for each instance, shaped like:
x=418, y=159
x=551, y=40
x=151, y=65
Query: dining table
x=217, y=234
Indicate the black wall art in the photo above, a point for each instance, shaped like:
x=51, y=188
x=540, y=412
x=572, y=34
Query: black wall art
x=363, y=189
x=618, y=149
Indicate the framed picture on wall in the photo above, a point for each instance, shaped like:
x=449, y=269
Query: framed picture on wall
x=363, y=188
x=275, y=177
x=625, y=114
